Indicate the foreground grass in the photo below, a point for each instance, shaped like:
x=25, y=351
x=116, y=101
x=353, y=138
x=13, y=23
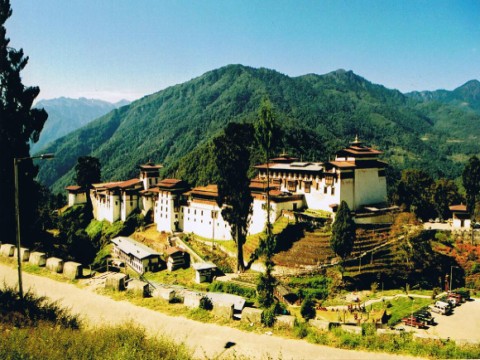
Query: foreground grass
x=121, y=342
x=35, y=328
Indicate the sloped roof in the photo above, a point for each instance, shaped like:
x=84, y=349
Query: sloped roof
x=173, y=184
x=74, y=188
x=117, y=184
x=459, y=208
x=132, y=247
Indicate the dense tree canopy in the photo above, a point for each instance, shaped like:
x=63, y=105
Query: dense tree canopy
x=87, y=171
x=444, y=193
x=471, y=183
x=413, y=193
x=19, y=125
x=233, y=161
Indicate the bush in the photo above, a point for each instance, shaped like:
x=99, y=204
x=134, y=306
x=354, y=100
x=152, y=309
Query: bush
x=230, y=288
x=268, y=316
x=300, y=329
x=32, y=310
x=308, y=309
x=206, y=303
x=368, y=329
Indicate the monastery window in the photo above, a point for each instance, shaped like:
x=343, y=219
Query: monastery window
x=116, y=202
x=201, y=221
x=189, y=211
x=333, y=191
x=317, y=186
x=292, y=186
x=307, y=186
x=329, y=180
x=325, y=190
x=131, y=203
x=176, y=216
x=202, y=213
x=195, y=212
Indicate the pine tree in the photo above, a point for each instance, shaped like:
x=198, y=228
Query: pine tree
x=343, y=232
x=87, y=172
x=265, y=129
x=19, y=124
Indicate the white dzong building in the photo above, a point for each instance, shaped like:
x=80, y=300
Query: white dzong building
x=355, y=176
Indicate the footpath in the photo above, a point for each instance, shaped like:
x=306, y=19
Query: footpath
x=208, y=341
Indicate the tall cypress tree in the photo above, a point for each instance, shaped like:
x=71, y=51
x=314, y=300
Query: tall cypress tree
x=343, y=232
x=233, y=160
x=19, y=124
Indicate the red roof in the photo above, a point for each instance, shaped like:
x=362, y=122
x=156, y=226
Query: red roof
x=74, y=188
x=458, y=208
x=343, y=164
x=172, y=184
x=209, y=190
x=118, y=184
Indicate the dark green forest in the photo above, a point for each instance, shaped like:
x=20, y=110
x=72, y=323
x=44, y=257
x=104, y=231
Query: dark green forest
x=317, y=114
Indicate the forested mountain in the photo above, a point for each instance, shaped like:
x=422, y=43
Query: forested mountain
x=66, y=115
x=317, y=113
x=466, y=96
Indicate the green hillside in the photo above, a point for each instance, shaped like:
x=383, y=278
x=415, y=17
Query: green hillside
x=317, y=113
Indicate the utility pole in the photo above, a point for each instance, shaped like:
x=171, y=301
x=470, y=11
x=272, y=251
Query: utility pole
x=16, y=162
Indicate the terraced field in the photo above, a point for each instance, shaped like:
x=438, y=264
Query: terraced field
x=369, y=256
x=313, y=248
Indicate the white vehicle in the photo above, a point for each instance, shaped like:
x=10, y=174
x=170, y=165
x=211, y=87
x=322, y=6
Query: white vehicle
x=441, y=307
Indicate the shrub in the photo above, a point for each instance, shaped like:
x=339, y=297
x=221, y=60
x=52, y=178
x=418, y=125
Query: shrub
x=32, y=310
x=300, y=329
x=368, y=329
x=435, y=292
x=268, y=316
x=206, y=303
x=308, y=309
x=231, y=288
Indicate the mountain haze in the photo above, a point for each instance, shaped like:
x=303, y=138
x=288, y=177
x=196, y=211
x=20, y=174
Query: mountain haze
x=66, y=115
x=317, y=113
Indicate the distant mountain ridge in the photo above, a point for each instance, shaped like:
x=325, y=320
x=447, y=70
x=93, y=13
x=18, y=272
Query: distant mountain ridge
x=317, y=113
x=467, y=95
x=66, y=115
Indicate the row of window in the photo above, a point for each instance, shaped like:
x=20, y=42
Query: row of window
x=307, y=187
x=294, y=176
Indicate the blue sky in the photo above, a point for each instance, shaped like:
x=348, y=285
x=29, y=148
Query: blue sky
x=113, y=49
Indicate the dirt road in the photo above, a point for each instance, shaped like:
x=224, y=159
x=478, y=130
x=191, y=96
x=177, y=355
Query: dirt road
x=207, y=340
